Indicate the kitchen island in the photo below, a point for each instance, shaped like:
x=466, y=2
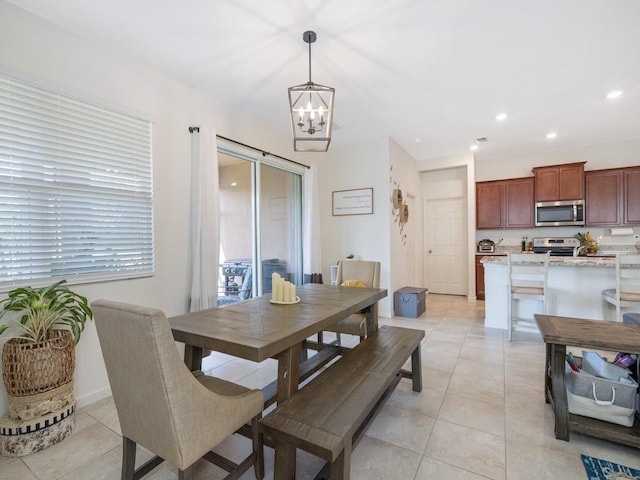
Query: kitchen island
x=575, y=287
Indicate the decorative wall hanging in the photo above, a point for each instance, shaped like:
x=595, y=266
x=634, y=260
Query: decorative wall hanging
x=396, y=198
x=395, y=211
x=404, y=213
x=353, y=202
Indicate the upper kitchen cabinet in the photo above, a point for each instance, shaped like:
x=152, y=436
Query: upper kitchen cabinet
x=603, y=199
x=505, y=203
x=490, y=204
x=559, y=182
x=631, y=196
x=613, y=197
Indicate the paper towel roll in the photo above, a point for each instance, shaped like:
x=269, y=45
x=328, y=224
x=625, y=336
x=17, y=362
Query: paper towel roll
x=616, y=232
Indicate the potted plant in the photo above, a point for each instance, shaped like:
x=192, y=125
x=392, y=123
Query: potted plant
x=42, y=325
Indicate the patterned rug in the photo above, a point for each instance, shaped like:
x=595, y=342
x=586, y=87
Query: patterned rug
x=598, y=469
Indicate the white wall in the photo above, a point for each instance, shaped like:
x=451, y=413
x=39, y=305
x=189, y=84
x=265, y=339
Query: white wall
x=40, y=53
x=606, y=155
x=402, y=175
x=348, y=167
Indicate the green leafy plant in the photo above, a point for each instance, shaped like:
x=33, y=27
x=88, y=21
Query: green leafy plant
x=39, y=311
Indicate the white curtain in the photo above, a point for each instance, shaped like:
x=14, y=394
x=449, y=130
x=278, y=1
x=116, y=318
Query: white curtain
x=205, y=221
x=312, y=254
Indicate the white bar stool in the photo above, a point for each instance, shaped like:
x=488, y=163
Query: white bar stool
x=527, y=280
x=627, y=291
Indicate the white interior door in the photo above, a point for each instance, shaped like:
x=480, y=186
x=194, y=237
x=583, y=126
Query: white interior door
x=446, y=243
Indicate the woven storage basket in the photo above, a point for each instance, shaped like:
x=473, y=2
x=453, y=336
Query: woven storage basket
x=29, y=368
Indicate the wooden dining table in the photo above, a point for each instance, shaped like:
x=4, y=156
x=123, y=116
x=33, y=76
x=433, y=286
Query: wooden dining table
x=257, y=329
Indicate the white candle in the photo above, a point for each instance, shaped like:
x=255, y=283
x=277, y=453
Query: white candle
x=287, y=292
x=293, y=292
x=276, y=287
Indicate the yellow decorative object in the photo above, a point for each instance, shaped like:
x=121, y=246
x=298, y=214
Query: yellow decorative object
x=354, y=283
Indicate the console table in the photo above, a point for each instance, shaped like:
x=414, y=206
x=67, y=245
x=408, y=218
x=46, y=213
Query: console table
x=558, y=333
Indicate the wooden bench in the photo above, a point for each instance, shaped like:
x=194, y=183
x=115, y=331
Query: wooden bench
x=329, y=414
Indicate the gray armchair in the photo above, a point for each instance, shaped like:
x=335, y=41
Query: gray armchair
x=178, y=415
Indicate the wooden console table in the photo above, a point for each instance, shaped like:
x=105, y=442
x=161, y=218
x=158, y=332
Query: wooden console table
x=558, y=332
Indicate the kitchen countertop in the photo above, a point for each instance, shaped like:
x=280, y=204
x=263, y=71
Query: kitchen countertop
x=585, y=261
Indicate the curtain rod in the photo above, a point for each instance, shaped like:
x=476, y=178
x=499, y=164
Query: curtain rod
x=264, y=154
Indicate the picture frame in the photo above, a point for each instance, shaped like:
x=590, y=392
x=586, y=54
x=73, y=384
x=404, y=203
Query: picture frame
x=352, y=202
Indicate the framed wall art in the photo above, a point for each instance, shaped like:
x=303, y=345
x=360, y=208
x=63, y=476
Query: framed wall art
x=353, y=202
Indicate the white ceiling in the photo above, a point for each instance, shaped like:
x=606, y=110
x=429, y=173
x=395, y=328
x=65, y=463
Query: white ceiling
x=438, y=71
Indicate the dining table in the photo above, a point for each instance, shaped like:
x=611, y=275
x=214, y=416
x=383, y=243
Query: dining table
x=258, y=329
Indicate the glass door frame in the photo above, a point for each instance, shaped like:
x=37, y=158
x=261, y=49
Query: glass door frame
x=257, y=160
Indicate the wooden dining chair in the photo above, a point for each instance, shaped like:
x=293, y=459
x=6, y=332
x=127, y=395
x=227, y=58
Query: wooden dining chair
x=627, y=290
x=178, y=415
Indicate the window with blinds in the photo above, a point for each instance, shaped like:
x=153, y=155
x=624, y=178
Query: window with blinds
x=75, y=190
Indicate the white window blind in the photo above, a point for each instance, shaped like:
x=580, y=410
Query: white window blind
x=75, y=190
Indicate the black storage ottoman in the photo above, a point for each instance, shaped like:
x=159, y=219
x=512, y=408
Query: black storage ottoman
x=409, y=302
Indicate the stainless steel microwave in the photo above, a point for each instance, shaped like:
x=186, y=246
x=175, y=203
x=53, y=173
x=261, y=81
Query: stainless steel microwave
x=556, y=214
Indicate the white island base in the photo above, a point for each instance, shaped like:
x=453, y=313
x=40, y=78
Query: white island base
x=575, y=290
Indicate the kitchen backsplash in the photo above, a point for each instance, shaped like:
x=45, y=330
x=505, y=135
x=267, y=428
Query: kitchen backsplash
x=512, y=238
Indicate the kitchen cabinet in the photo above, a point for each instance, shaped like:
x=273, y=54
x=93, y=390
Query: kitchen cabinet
x=559, y=182
x=612, y=197
x=505, y=203
x=631, y=196
x=518, y=194
x=479, y=278
x=603, y=199
x=489, y=204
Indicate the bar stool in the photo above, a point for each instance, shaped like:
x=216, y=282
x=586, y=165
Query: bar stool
x=627, y=291
x=527, y=280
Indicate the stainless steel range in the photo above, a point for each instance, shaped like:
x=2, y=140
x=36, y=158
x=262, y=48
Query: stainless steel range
x=563, y=246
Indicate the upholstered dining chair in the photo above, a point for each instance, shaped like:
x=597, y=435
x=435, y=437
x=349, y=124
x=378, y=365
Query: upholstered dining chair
x=178, y=415
x=355, y=273
x=627, y=290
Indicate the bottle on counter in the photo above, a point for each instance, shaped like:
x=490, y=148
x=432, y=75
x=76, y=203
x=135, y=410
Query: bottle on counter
x=524, y=244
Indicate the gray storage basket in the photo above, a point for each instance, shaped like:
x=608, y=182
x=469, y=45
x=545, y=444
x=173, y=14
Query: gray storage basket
x=601, y=398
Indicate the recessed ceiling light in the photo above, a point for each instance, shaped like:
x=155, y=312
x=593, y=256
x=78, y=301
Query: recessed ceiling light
x=614, y=94
x=551, y=135
x=473, y=147
x=233, y=184
x=417, y=141
x=501, y=116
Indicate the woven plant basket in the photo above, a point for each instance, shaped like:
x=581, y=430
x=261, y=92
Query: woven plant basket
x=30, y=368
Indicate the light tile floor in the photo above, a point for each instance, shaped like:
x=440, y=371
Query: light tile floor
x=481, y=415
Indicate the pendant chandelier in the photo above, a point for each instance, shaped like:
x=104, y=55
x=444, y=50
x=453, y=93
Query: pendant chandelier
x=311, y=110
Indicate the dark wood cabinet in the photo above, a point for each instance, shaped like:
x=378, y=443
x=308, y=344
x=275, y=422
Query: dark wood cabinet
x=505, y=203
x=613, y=197
x=479, y=278
x=631, y=197
x=559, y=182
x=518, y=194
x=603, y=201
x=489, y=204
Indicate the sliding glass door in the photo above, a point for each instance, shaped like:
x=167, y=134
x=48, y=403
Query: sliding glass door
x=280, y=224
x=260, y=220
